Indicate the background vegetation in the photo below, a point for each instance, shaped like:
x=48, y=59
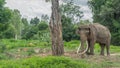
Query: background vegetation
x=24, y=43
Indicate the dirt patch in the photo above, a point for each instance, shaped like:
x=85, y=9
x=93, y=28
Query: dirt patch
x=73, y=54
x=115, y=54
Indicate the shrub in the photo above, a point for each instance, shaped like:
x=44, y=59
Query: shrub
x=72, y=44
x=2, y=47
x=47, y=62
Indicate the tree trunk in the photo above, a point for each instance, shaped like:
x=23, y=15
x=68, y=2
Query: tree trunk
x=16, y=36
x=56, y=30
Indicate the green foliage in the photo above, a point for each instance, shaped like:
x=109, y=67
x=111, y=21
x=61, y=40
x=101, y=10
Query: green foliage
x=3, y=30
x=43, y=36
x=72, y=44
x=107, y=13
x=30, y=52
x=70, y=15
x=2, y=47
x=3, y=56
x=34, y=21
x=59, y=62
x=45, y=18
x=68, y=29
x=114, y=49
x=16, y=24
x=2, y=2
x=39, y=31
x=25, y=22
x=12, y=27
x=72, y=11
x=29, y=32
x=11, y=43
x=42, y=26
x=47, y=62
x=5, y=15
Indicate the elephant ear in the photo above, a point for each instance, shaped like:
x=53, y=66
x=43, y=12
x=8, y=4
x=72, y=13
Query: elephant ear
x=92, y=31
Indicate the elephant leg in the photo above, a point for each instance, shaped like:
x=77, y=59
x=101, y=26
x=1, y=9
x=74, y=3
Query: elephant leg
x=92, y=47
x=102, y=49
x=108, y=48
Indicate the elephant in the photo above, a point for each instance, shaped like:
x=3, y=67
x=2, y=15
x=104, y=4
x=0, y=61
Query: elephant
x=91, y=34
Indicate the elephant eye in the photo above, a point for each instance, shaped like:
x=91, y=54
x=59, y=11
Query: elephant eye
x=79, y=28
x=86, y=28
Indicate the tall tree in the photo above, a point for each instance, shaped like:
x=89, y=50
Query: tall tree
x=5, y=15
x=72, y=11
x=25, y=22
x=16, y=23
x=35, y=21
x=56, y=30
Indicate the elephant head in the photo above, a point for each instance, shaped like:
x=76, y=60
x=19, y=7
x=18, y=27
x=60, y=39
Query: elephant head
x=85, y=32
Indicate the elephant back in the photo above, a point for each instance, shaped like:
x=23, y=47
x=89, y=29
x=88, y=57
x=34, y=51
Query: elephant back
x=101, y=31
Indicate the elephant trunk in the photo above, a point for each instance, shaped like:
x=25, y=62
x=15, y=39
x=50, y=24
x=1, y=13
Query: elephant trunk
x=82, y=46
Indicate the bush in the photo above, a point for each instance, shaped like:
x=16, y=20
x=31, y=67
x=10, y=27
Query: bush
x=2, y=47
x=3, y=56
x=72, y=44
x=10, y=43
x=47, y=62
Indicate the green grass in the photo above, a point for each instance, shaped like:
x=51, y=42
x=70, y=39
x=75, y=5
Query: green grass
x=106, y=62
x=74, y=44
x=47, y=62
x=12, y=46
x=60, y=62
x=11, y=43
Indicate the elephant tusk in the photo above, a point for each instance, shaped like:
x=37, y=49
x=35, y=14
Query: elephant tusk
x=84, y=50
x=78, y=48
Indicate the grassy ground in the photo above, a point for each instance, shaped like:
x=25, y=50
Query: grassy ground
x=36, y=54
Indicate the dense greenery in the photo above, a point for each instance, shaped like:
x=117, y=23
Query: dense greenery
x=57, y=62
x=5, y=15
x=47, y=62
x=4, y=12
x=12, y=25
x=71, y=15
x=107, y=13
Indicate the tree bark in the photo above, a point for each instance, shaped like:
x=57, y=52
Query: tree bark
x=56, y=30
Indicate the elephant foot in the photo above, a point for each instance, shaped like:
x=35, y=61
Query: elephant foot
x=89, y=53
x=102, y=54
x=108, y=54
